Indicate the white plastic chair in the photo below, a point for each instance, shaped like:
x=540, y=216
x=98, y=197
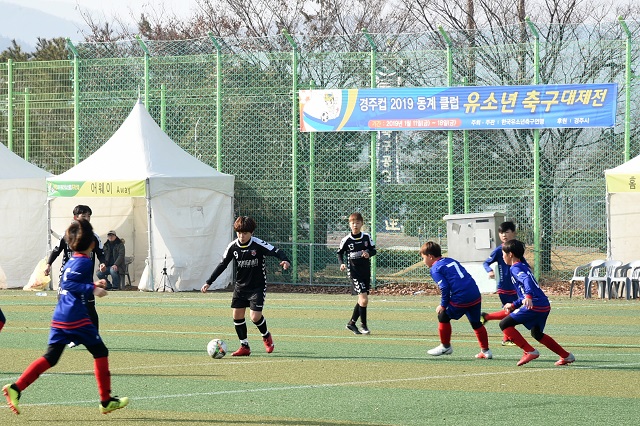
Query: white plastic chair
x=601, y=275
x=635, y=283
x=124, y=272
x=624, y=276
x=582, y=272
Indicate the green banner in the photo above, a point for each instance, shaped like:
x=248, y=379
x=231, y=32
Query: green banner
x=117, y=188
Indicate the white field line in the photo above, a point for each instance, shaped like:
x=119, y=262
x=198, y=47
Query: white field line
x=302, y=387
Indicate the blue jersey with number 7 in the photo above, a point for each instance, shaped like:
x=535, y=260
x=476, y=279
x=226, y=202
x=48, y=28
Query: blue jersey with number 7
x=458, y=287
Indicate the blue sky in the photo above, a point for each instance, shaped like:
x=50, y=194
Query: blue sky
x=26, y=20
x=67, y=8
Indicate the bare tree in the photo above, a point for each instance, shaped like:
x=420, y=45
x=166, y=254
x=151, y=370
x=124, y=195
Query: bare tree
x=574, y=49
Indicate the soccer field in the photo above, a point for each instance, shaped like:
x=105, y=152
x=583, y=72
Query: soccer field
x=320, y=373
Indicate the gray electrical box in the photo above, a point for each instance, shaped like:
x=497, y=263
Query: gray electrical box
x=471, y=237
x=470, y=240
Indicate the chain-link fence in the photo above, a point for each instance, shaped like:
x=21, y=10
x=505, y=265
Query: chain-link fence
x=232, y=103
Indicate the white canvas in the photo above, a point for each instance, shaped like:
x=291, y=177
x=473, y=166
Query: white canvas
x=623, y=211
x=187, y=214
x=23, y=218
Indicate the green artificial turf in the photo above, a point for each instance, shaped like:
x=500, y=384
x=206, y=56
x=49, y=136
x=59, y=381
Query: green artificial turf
x=320, y=373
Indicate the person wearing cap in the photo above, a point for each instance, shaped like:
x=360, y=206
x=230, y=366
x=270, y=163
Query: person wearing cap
x=114, y=252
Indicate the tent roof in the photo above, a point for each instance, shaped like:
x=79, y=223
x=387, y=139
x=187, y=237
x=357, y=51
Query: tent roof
x=139, y=149
x=14, y=167
x=624, y=178
x=631, y=166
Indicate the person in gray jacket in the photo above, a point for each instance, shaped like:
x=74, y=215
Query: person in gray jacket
x=114, y=252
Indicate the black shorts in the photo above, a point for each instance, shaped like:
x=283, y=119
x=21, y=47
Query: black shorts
x=252, y=299
x=359, y=284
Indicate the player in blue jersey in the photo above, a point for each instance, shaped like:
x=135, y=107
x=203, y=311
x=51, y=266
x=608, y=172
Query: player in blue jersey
x=71, y=322
x=531, y=309
x=2, y=320
x=506, y=290
x=80, y=211
x=460, y=296
x=358, y=247
x=250, y=289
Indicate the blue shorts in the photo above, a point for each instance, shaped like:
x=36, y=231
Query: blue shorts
x=507, y=298
x=87, y=335
x=530, y=318
x=472, y=312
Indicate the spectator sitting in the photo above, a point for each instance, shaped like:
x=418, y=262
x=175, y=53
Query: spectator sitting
x=114, y=260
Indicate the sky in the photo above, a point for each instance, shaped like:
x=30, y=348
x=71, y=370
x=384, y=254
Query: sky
x=68, y=8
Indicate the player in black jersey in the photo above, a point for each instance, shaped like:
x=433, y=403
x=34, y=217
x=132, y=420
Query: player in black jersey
x=250, y=289
x=359, y=247
x=80, y=211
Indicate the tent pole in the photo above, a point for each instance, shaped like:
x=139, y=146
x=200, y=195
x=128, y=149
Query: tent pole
x=49, y=236
x=149, y=239
x=608, y=210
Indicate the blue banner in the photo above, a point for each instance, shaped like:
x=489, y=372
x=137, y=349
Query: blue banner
x=459, y=108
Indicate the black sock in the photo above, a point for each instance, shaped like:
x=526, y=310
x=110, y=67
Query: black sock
x=262, y=326
x=356, y=314
x=105, y=403
x=241, y=329
x=363, y=316
x=15, y=388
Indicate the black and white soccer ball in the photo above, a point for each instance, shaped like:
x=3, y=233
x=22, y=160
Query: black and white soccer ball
x=217, y=348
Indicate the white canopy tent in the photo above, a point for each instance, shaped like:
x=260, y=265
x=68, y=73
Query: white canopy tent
x=623, y=214
x=172, y=210
x=23, y=212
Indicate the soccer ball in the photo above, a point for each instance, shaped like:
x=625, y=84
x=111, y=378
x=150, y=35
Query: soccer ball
x=217, y=348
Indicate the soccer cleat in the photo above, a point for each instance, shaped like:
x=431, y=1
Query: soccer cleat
x=353, y=328
x=114, y=404
x=364, y=330
x=72, y=345
x=243, y=350
x=268, y=343
x=508, y=342
x=484, y=354
x=528, y=356
x=567, y=360
x=13, y=396
x=483, y=318
x=440, y=350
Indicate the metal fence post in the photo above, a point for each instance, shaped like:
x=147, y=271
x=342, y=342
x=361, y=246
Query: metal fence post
x=76, y=101
x=294, y=154
x=312, y=207
x=10, y=104
x=536, y=157
x=374, y=160
x=449, y=43
x=27, y=119
x=628, y=74
x=218, y=100
x=146, y=69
